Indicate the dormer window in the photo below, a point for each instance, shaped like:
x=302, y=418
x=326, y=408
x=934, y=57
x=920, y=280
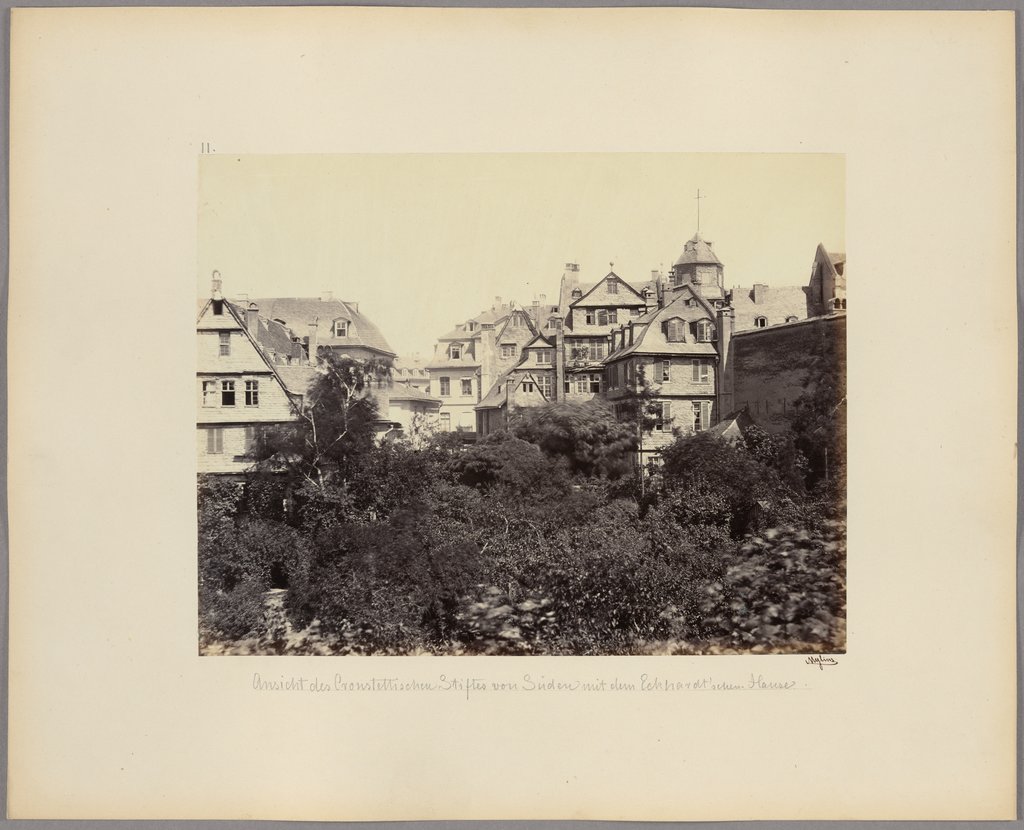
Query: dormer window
x=791, y=318
x=705, y=331
x=613, y=286
x=675, y=330
x=341, y=328
x=760, y=322
x=471, y=325
x=455, y=351
x=576, y=293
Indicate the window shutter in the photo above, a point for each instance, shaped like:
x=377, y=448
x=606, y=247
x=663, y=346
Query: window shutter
x=666, y=412
x=705, y=414
x=696, y=370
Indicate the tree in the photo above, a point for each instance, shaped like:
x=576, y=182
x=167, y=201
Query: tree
x=587, y=435
x=334, y=428
x=641, y=409
x=819, y=427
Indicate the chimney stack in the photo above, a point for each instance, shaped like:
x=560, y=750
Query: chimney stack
x=760, y=293
x=314, y=341
x=252, y=314
x=215, y=286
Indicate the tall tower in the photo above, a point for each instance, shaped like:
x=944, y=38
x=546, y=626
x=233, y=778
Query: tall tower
x=700, y=268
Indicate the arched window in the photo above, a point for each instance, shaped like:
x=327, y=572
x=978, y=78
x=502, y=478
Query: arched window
x=760, y=322
x=674, y=330
x=791, y=318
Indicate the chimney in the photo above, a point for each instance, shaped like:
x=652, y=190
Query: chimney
x=760, y=293
x=543, y=299
x=252, y=314
x=572, y=266
x=326, y=296
x=726, y=323
x=215, y=286
x=314, y=341
x=630, y=332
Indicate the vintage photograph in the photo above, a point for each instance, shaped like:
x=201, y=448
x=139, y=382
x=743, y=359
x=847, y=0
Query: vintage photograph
x=587, y=404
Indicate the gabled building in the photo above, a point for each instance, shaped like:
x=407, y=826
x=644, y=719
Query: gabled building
x=678, y=351
x=530, y=383
x=239, y=387
x=468, y=360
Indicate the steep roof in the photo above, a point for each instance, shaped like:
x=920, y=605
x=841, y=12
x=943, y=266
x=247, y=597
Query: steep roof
x=650, y=339
x=599, y=295
x=495, y=398
x=297, y=379
x=697, y=251
x=298, y=312
x=777, y=304
x=403, y=391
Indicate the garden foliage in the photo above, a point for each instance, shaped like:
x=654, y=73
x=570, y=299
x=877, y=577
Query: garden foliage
x=529, y=542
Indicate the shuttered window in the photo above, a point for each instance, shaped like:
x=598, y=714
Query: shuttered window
x=701, y=371
x=214, y=441
x=225, y=343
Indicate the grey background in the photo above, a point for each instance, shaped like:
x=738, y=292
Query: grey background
x=1015, y=5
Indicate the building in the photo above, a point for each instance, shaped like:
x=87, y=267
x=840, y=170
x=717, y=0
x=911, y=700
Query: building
x=413, y=412
x=677, y=352
x=469, y=359
x=326, y=323
x=239, y=386
x=255, y=370
x=696, y=344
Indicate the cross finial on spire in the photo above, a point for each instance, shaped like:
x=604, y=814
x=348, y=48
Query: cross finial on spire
x=698, y=197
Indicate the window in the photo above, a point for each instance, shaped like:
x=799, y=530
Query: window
x=527, y=385
x=544, y=356
x=582, y=382
x=250, y=440
x=554, y=323
x=791, y=318
x=598, y=349
x=508, y=350
x=568, y=387
x=218, y=308
x=595, y=384
x=446, y=387
x=613, y=286
x=472, y=325
x=225, y=343
x=545, y=383
x=227, y=393
x=467, y=387
x=590, y=318
x=701, y=371
x=446, y=422
x=340, y=328
x=455, y=350
x=701, y=415
x=674, y=330
x=517, y=321
x=252, y=393
x=602, y=318
x=664, y=418
x=613, y=315
x=576, y=293
x=209, y=393
x=666, y=370
x=214, y=441
x=760, y=322
x=705, y=331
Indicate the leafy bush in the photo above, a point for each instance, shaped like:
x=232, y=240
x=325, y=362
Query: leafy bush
x=782, y=589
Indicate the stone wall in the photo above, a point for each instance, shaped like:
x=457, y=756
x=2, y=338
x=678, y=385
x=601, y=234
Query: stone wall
x=772, y=367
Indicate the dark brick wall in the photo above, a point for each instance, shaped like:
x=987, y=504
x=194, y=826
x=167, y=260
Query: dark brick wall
x=771, y=367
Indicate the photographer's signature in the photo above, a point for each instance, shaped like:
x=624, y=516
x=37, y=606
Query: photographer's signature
x=821, y=661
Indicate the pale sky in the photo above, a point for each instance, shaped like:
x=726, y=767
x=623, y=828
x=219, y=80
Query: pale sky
x=423, y=242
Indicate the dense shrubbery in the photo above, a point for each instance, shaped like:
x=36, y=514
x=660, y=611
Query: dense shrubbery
x=516, y=546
